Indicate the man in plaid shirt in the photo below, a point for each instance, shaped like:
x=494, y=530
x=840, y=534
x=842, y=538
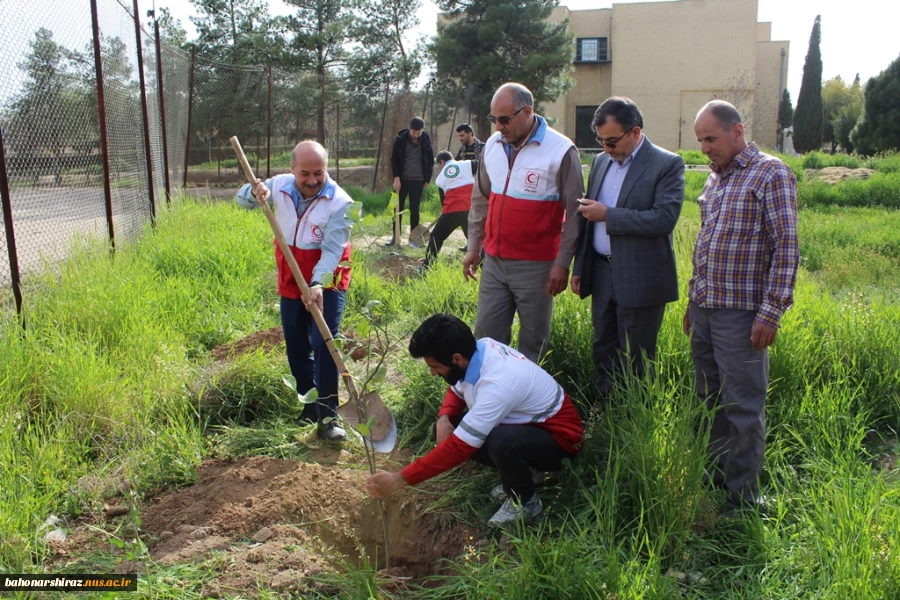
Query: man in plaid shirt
x=745, y=264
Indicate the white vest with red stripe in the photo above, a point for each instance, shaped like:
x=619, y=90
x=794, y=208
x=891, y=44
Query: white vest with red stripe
x=306, y=232
x=457, y=182
x=525, y=215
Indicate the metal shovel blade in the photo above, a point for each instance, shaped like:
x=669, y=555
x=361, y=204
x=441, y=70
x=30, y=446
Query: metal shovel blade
x=384, y=433
x=419, y=236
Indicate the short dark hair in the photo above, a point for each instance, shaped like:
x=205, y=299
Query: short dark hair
x=725, y=114
x=440, y=337
x=464, y=127
x=416, y=123
x=623, y=110
x=443, y=156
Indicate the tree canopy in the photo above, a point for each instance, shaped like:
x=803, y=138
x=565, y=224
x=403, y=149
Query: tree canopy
x=488, y=42
x=879, y=127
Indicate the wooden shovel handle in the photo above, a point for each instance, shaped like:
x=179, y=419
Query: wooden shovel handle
x=298, y=276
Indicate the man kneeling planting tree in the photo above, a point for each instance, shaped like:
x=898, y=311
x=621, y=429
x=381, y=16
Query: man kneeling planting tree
x=501, y=410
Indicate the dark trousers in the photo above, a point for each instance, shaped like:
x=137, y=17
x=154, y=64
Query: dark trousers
x=516, y=449
x=622, y=335
x=732, y=377
x=311, y=363
x=445, y=225
x=413, y=189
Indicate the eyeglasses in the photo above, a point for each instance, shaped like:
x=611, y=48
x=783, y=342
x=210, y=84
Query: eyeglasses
x=504, y=120
x=610, y=142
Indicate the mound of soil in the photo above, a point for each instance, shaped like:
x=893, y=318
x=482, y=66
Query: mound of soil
x=837, y=174
x=398, y=266
x=267, y=339
x=281, y=521
x=270, y=339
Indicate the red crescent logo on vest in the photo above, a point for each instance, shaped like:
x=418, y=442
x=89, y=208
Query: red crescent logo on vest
x=316, y=232
x=531, y=181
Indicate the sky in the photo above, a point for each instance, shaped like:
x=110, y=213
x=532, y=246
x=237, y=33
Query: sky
x=859, y=36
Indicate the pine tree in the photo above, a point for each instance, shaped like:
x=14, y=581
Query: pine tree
x=808, y=117
x=879, y=127
x=489, y=42
x=785, y=111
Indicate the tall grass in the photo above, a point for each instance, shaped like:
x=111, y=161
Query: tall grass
x=111, y=379
x=97, y=385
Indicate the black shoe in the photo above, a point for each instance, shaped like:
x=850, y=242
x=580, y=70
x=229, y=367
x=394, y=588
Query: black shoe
x=393, y=242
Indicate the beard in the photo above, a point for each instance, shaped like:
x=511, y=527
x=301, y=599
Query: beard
x=456, y=373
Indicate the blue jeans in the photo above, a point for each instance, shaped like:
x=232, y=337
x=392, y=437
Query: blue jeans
x=311, y=363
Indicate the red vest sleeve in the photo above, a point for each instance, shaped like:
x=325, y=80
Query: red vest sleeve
x=450, y=453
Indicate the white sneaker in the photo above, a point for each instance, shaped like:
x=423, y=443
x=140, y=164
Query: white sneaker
x=512, y=511
x=498, y=493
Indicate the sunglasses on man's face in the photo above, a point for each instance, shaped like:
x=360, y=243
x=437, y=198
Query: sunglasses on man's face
x=504, y=120
x=610, y=142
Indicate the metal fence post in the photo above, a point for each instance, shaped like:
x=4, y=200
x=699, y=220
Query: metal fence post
x=101, y=109
x=269, y=129
x=8, y=225
x=387, y=93
x=145, y=113
x=337, y=141
x=162, y=110
x=187, y=144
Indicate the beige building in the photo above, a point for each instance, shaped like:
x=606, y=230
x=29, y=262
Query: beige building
x=671, y=58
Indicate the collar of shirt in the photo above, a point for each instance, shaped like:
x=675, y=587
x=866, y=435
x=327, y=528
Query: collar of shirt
x=740, y=161
x=326, y=192
x=473, y=371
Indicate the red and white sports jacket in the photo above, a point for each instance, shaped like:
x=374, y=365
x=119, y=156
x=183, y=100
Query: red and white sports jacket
x=525, y=215
x=501, y=387
x=456, y=180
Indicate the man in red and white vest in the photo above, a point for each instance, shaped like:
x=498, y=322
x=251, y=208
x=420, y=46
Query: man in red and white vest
x=454, y=183
x=311, y=211
x=523, y=207
x=501, y=410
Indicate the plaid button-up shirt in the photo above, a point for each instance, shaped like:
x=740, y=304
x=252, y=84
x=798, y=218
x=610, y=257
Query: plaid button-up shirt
x=747, y=252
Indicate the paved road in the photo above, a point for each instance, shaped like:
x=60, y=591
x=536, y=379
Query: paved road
x=48, y=222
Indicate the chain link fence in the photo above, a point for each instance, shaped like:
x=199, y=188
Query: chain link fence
x=101, y=121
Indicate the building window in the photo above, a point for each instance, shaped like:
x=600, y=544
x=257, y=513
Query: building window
x=591, y=50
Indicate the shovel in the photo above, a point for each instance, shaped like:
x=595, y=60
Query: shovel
x=420, y=236
x=381, y=434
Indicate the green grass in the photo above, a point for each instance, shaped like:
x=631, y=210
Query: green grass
x=112, y=378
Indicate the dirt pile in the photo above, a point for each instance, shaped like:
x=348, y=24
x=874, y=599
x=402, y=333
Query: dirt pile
x=267, y=340
x=282, y=521
x=837, y=174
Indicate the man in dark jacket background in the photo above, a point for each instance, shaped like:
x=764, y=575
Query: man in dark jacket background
x=412, y=161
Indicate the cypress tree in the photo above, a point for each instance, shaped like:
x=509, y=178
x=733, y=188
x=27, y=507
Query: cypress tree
x=808, y=117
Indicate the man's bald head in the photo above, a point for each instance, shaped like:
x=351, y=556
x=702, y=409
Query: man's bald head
x=720, y=132
x=516, y=93
x=309, y=166
x=309, y=150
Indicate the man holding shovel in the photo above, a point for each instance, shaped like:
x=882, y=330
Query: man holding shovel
x=311, y=210
x=454, y=182
x=501, y=410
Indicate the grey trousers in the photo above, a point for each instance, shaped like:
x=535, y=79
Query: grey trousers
x=733, y=378
x=511, y=286
x=622, y=335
